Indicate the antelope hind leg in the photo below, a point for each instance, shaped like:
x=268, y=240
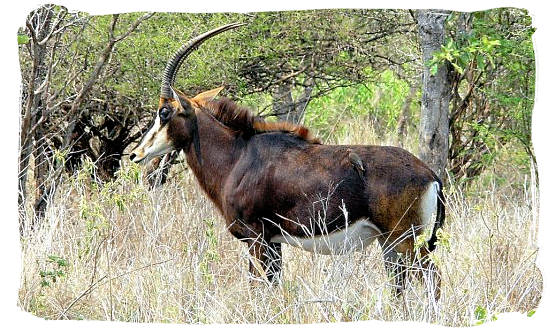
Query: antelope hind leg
x=395, y=266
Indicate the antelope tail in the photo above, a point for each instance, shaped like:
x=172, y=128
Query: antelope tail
x=440, y=216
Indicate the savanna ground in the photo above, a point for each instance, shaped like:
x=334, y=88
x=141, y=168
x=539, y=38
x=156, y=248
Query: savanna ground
x=119, y=251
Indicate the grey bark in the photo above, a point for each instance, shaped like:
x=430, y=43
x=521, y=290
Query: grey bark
x=46, y=171
x=436, y=92
x=282, y=100
x=285, y=107
x=98, y=69
x=39, y=25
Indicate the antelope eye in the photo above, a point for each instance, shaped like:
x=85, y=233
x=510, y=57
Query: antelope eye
x=164, y=114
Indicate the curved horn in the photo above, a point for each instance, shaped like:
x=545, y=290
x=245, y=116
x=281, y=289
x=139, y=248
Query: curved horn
x=175, y=62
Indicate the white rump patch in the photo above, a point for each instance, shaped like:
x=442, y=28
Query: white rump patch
x=353, y=238
x=428, y=208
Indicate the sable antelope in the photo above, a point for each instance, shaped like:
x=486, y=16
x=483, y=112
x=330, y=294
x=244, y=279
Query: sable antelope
x=275, y=183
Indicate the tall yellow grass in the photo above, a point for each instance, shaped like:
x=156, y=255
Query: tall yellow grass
x=122, y=252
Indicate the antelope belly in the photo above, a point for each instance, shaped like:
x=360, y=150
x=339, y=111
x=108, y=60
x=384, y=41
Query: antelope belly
x=353, y=238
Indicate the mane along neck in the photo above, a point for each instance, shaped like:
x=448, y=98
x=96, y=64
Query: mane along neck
x=242, y=120
x=219, y=152
x=220, y=128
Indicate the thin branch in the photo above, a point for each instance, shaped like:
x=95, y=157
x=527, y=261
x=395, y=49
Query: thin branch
x=134, y=26
x=102, y=281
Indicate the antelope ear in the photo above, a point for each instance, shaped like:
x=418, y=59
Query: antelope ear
x=183, y=101
x=207, y=96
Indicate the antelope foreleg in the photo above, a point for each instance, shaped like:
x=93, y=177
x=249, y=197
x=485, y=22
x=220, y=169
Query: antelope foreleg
x=266, y=260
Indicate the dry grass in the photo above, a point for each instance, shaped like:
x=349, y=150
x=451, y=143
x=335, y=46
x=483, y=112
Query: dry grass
x=130, y=254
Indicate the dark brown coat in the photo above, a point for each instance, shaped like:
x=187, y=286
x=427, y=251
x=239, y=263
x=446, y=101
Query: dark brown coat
x=272, y=178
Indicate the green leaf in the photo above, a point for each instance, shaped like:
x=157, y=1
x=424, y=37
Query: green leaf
x=22, y=39
x=480, y=62
x=443, y=239
x=433, y=69
x=480, y=313
x=490, y=58
x=457, y=68
x=463, y=59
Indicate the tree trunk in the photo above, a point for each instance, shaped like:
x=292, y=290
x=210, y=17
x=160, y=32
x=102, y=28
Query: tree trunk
x=47, y=177
x=288, y=109
x=282, y=101
x=436, y=91
x=33, y=143
x=300, y=106
x=41, y=166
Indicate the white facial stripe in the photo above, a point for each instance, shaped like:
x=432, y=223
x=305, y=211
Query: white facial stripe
x=160, y=144
x=155, y=142
x=148, y=140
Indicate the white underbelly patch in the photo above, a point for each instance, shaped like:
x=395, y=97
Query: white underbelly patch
x=355, y=237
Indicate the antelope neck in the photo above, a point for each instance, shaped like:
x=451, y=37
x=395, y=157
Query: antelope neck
x=219, y=153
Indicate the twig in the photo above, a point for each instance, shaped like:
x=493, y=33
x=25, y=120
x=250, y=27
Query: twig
x=98, y=282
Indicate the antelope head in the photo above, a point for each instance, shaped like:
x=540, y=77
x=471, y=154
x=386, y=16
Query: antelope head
x=175, y=124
